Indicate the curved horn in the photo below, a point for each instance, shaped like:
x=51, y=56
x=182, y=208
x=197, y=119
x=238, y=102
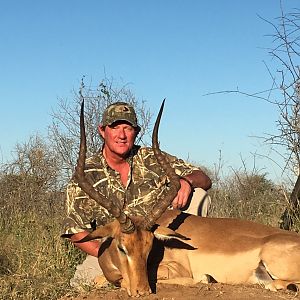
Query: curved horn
x=174, y=186
x=112, y=206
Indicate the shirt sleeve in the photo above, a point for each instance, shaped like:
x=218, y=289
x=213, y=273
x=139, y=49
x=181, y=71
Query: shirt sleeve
x=182, y=168
x=82, y=211
x=76, y=219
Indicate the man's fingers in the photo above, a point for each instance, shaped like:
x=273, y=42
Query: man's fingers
x=183, y=194
x=175, y=202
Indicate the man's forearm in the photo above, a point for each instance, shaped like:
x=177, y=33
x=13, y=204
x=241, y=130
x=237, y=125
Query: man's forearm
x=199, y=179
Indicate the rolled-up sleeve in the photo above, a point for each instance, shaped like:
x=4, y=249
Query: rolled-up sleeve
x=77, y=219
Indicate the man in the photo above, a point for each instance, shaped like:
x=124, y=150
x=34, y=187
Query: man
x=130, y=174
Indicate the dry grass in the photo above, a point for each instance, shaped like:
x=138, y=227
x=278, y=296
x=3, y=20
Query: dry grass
x=35, y=263
x=250, y=197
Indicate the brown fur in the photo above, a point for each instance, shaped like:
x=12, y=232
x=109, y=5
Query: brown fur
x=231, y=251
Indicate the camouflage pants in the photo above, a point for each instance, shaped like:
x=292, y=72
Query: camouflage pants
x=89, y=272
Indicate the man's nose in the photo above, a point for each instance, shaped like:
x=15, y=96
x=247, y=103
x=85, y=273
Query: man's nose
x=122, y=134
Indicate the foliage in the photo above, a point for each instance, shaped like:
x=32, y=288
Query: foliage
x=284, y=94
x=31, y=181
x=35, y=263
x=285, y=52
x=248, y=196
x=35, y=159
x=286, y=79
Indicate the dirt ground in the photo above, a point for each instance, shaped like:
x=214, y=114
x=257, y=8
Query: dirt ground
x=199, y=291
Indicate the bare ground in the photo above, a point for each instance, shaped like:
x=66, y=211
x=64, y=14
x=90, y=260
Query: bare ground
x=199, y=291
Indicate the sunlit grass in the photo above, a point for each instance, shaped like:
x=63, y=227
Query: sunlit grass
x=36, y=262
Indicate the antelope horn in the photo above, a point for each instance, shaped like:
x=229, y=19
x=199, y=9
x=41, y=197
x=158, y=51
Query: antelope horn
x=112, y=206
x=174, y=186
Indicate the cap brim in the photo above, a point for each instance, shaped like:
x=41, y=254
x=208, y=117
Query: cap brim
x=125, y=120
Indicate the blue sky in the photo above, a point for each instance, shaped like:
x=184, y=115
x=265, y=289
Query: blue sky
x=179, y=50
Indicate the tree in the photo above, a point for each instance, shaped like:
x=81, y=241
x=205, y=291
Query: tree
x=286, y=80
x=285, y=95
x=30, y=182
x=37, y=160
x=64, y=131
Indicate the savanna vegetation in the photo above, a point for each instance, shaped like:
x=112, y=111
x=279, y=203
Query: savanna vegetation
x=35, y=263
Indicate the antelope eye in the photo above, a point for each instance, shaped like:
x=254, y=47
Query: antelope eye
x=122, y=250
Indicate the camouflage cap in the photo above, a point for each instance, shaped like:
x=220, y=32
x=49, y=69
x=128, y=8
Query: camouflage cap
x=119, y=111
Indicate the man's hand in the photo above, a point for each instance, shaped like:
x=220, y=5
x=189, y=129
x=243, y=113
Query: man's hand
x=183, y=195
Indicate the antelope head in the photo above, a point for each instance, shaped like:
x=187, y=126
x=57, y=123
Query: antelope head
x=132, y=237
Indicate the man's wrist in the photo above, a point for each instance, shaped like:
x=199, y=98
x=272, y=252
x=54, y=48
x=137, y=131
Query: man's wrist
x=186, y=180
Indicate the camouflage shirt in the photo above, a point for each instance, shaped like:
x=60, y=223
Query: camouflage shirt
x=146, y=182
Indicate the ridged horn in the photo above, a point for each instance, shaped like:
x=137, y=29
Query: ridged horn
x=112, y=205
x=174, y=185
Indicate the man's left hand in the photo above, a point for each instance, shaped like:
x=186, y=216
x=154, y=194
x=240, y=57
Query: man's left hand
x=183, y=195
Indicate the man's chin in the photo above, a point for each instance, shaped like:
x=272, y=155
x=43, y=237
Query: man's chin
x=123, y=152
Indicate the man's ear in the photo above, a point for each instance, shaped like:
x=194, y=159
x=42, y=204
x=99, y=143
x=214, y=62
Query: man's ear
x=101, y=130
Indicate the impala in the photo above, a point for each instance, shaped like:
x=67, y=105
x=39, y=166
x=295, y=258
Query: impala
x=176, y=247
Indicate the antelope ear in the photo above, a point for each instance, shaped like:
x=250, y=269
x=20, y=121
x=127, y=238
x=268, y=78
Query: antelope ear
x=100, y=232
x=165, y=233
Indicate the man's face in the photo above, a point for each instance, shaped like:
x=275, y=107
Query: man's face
x=119, y=137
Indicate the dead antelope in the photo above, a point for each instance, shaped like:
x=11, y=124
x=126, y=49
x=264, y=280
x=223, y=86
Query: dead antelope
x=180, y=248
